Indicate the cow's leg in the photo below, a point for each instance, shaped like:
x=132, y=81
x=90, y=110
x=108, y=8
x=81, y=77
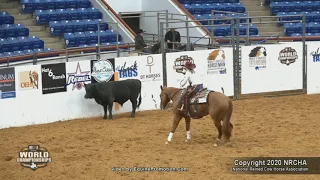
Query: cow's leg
x=105, y=108
x=134, y=107
x=111, y=100
x=110, y=111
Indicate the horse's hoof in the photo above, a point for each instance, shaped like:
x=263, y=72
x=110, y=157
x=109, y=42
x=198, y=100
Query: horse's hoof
x=188, y=140
x=167, y=142
x=215, y=145
x=218, y=139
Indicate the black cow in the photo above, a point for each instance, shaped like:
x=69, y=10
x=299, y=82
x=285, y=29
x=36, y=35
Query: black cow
x=106, y=93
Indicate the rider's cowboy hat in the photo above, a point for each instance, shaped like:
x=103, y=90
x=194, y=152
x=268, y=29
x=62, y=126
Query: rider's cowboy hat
x=140, y=31
x=190, y=65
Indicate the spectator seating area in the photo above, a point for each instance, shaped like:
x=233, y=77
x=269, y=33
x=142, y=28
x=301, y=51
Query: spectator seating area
x=74, y=20
x=15, y=39
x=310, y=8
x=202, y=9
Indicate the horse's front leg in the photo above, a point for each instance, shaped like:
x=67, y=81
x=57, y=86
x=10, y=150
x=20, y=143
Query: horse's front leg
x=188, y=121
x=176, y=121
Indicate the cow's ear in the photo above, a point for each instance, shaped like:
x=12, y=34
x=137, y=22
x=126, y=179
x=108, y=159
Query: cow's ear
x=161, y=88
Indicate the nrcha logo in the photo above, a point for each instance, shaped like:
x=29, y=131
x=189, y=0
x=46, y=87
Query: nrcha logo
x=78, y=78
x=315, y=55
x=102, y=70
x=179, y=63
x=258, y=57
x=217, y=62
x=34, y=157
x=288, y=56
x=128, y=71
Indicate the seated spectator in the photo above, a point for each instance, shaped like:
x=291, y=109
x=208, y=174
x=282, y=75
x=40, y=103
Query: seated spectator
x=139, y=41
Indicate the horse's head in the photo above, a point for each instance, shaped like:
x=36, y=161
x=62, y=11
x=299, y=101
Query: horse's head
x=165, y=99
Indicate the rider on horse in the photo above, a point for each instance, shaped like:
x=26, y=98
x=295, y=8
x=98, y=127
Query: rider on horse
x=186, y=83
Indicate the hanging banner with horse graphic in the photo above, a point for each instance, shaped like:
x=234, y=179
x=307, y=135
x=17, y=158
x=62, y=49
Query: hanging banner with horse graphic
x=148, y=69
x=271, y=68
x=213, y=69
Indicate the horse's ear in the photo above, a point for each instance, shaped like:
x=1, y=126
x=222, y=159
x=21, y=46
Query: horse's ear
x=161, y=88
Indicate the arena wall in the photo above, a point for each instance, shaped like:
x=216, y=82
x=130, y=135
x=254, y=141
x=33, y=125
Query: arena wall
x=23, y=105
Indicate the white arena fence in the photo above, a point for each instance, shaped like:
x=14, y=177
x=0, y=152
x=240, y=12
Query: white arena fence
x=59, y=92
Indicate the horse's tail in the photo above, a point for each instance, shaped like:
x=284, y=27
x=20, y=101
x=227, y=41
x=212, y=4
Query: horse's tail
x=226, y=126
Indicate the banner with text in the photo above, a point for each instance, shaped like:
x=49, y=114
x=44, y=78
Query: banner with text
x=148, y=69
x=53, y=78
x=102, y=70
x=313, y=66
x=213, y=69
x=271, y=68
x=78, y=74
x=7, y=83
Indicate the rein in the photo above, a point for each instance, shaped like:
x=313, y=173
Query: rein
x=174, y=94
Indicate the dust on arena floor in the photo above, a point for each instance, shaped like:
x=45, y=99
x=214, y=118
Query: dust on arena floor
x=90, y=148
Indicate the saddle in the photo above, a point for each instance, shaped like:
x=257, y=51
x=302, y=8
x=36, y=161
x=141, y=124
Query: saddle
x=197, y=92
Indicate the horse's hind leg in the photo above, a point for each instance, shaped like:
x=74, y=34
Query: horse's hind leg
x=219, y=127
x=217, y=123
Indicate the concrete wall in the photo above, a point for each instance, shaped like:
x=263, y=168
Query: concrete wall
x=108, y=16
x=125, y=5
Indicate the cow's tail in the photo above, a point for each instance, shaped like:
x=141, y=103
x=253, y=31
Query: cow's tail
x=139, y=103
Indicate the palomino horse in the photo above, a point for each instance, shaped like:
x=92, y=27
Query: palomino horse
x=218, y=106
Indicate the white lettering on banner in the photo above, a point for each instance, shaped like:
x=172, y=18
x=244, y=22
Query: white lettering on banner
x=78, y=77
x=50, y=74
x=288, y=55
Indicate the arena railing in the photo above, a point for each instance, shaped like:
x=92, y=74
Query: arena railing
x=191, y=16
x=77, y=50
x=236, y=40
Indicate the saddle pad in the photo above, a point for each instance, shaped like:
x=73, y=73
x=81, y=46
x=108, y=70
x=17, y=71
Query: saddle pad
x=200, y=100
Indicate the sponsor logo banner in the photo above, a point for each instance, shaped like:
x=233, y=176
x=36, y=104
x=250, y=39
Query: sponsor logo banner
x=315, y=55
x=128, y=70
x=102, y=70
x=258, y=58
x=288, y=56
x=78, y=73
x=152, y=69
x=53, y=78
x=7, y=83
x=217, y=62
x=29, y=80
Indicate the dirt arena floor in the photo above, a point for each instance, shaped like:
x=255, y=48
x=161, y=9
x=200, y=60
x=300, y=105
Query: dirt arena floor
x=89, y=148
